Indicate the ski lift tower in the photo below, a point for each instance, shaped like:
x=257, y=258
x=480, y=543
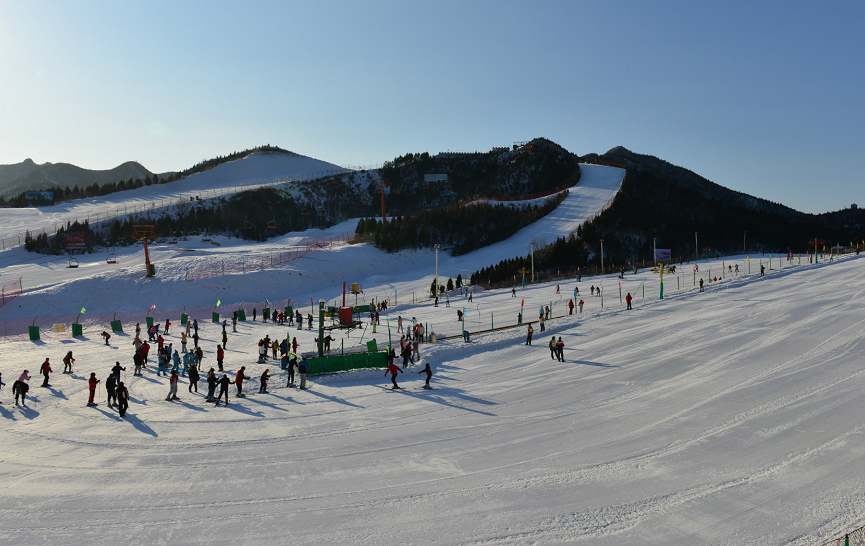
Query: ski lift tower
x=381, y=184
x=143, y=234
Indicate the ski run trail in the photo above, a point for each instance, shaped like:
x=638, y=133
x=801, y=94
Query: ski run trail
x=726, y=417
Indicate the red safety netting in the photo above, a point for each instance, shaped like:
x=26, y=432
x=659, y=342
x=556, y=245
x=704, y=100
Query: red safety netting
x=9, y=291
x=258, y=262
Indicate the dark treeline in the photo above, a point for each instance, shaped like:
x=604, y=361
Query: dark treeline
x=650, y=208
x=538, y=166
x=255, y=215
x=461, y=228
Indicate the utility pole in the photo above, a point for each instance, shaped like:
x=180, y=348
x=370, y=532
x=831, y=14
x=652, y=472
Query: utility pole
x=602, y=256
x=532, y=248
x=696, y=247
x=744, y=238
x=654, y=249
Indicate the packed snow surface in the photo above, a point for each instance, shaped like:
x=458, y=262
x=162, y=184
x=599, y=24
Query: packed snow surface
x=725, y=417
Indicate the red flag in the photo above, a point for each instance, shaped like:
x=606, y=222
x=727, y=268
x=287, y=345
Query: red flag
x=522, y=302
x=620, y=284
x=152, y=307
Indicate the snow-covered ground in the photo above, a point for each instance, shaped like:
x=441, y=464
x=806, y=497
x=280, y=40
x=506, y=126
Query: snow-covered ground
x=725, y=417
x=252, y=170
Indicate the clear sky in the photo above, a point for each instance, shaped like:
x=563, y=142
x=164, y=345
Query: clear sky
x=767, y=98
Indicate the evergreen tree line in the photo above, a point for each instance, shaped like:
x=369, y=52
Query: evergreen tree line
x=93, y=190
x=650, y=212
x=458, y=227
x=255, y=215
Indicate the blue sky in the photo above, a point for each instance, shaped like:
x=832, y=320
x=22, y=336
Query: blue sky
x=761, y=97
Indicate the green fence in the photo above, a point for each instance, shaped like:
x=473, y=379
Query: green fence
x=344, y=363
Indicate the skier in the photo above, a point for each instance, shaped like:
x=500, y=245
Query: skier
x=701, y=284
x=294, y=345
x=581, y=306
x=106, y=336
x=428, y=373
x=175, y=361
x=220, y=356
x=111, y=389
x=762, y=270
x=67, y=362
x=514, y=292
x=122, y=399
x=327, y=339
x=529, y=335
x=302, y=370
x=628, y=299
x=167, y=326
x=393, y=371
x=239, y=379
x=91, y=383
x=193, y=377
x=557, y=289
x=199, y=355
x=183, y=342
x=553, y=348
x=541, y=321
x=406, y=355
x=264, y=377
x=45, y=370
x=254, y=314
x=399, y=324
x=212, y=381
x=415, y=351
x=560, y=349
x=570, y=307
x=309, y=321
x=592, y=290
x=224, y=339
x=145, y=352
x=137, y=330
x=2, y=384
x=234, y=322
x=224, y=382
x=291, y=364
x=172, y=389
x=138, y=362
x=274, y=349
x=116, y=372
x=20, y=388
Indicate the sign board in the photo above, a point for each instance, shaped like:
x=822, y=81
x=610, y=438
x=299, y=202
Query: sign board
x=663, y=255
x=75, y=241
x=435, y=178
x=39, y=195
x=59, y=328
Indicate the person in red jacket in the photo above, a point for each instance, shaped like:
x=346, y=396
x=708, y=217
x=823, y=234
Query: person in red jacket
x=220, y=356
x=393, y=369
x=239, y=379
x=92, y=382
x=570, y=307
x=45, y=370
x=628, y=299
x=145, y=350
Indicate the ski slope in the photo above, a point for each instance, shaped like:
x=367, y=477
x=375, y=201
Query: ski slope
x=731, y=416
x=256, y=168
